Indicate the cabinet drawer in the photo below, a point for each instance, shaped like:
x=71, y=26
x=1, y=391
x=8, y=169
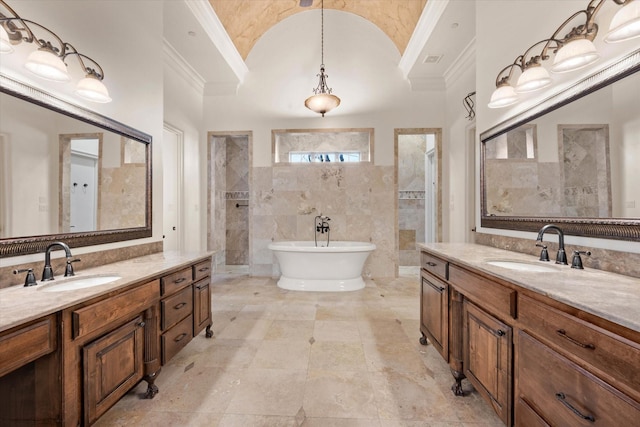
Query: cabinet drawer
x=95, y=316
x=435, y=265
x=27, y=343
x=176, y=307
x=526, y=416
x=176, y=281
x=176, y=338
x=498, y=299
x=609, y=356
x=564, y=394
x=202, y=270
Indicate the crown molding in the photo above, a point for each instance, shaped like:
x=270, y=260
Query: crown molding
x=206, y=16
x=429, y=18
x=464, y=61
x=174, y=60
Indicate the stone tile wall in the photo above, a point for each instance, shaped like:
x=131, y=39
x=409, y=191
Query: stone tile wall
x=360, y=199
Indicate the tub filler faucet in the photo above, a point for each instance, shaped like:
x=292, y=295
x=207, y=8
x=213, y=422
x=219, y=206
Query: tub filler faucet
x=321, y=225
x=561, y=256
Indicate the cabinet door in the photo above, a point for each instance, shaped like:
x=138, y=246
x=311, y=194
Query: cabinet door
x=201, y=305
x=113, y=364
x=434, y=313
x=487, y=354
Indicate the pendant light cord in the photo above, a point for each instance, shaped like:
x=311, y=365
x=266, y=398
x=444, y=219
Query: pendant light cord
x=322, y=33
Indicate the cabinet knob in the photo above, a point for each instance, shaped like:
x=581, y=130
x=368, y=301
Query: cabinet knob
x=500, y=332
x=141, y=324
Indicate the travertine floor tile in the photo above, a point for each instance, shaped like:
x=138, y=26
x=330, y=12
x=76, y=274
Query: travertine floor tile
x=337, y=356
x=269, y=392
x=307, y=359
x=283, y=355
x=290, y=330
x=336, y=330
x=343, y=394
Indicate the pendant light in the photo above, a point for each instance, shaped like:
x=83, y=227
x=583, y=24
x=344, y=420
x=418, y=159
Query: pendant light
x=322, y=101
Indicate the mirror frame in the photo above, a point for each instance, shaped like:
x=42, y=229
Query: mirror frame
x=610, y=228
x=14, y=246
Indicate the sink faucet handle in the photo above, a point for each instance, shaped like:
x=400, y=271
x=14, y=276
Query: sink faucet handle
x=30, y=278
x=576, y=262
x=544, y=254
x=68, y=271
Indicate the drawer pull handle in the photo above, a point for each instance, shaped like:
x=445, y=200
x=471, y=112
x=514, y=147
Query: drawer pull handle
x=436, y=288
x=203, y=269
x=179, y=306
x=200, y=287
x=431, y=264
x=180, y=337
x=563, y=399
x=180, y=280
x=563, y=334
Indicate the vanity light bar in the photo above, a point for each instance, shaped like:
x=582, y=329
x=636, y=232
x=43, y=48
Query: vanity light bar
x=48, y=60
x=573, y=51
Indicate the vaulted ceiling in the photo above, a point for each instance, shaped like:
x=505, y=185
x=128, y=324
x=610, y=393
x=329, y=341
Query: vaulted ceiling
x=377, y=52
x=247, y=20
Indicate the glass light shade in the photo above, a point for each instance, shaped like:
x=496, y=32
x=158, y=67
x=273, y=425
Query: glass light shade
x=46, y=64
x=92, y=89
x=5, y=44
x=625, y=24
x=503, y=96
x=533, y=78
x=322, y=103
x=574, y=55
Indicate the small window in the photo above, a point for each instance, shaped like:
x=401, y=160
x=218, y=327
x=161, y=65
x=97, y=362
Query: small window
x=315, y=157
x=322, y=146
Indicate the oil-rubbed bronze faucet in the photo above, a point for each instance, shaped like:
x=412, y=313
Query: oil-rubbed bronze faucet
x=561, y=256
x=47, y=273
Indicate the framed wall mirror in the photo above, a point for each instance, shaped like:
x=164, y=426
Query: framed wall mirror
x=571, y=160
x=67, y=173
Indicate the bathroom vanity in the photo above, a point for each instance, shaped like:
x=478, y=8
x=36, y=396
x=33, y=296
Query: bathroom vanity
x=543, y=344
x=66, y=356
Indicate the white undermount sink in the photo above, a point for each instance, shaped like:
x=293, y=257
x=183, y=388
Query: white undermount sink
x=523, y=266
x=74, y=283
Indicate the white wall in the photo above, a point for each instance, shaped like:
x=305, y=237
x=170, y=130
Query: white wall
x=258, y=106
x=183, y=111
x=504, y=30
x=126, y=39
x=457, y=197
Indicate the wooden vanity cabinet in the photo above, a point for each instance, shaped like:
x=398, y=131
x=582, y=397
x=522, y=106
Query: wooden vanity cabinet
x=176, y=312
x=571, y=372
x=185, y=307
x=488, y=312
x=113, y=364
x=487, y=357
x=563, y=394
x=434, y=304
x=537, y=361
x=30, y=373
x=104, y=349
x=202, y=298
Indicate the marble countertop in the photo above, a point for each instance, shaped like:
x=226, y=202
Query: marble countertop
x=613, y=297
x=19, y=305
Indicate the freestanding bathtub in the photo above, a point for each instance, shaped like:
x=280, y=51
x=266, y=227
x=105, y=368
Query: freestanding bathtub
x=335, y=268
